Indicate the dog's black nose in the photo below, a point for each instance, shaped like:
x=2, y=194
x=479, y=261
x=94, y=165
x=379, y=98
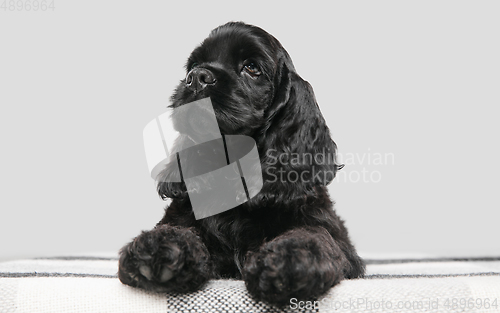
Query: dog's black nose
x=199, y=78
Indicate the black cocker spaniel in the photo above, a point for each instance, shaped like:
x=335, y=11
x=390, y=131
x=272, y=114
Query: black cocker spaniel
x=286, y=242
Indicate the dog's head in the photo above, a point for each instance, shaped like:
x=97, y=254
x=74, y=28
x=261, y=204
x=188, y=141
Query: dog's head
x=255, y=91
x=237, y=67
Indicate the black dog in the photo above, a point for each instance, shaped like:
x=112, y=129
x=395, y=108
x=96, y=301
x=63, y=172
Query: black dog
x=286, y=242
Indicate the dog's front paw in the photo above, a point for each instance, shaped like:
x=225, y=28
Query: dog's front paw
x=298, y=264
x=165, y=259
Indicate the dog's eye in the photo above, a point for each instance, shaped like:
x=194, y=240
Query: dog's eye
x=193, y=65
x=253, y=69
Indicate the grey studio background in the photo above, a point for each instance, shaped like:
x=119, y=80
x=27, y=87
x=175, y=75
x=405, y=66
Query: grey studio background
x=410, y=91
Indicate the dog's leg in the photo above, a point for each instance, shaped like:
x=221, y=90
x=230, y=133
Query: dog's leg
x=302, y=263
x=165, y=259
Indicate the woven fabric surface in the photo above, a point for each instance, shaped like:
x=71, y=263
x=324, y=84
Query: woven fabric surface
x=90, y=284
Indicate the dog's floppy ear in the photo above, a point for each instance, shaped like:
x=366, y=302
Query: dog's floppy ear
x=296, y=140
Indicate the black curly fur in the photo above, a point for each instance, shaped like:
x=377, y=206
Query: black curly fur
x=286, y=242
x=293, y=265
x=177, y=249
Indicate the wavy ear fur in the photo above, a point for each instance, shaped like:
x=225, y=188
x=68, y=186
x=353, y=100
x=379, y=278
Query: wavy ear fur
x=295, y=146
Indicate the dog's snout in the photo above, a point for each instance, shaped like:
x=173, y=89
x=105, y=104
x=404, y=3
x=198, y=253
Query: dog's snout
x=199, y=78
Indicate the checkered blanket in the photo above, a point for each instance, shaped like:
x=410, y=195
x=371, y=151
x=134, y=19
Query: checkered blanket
x=90, y=284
